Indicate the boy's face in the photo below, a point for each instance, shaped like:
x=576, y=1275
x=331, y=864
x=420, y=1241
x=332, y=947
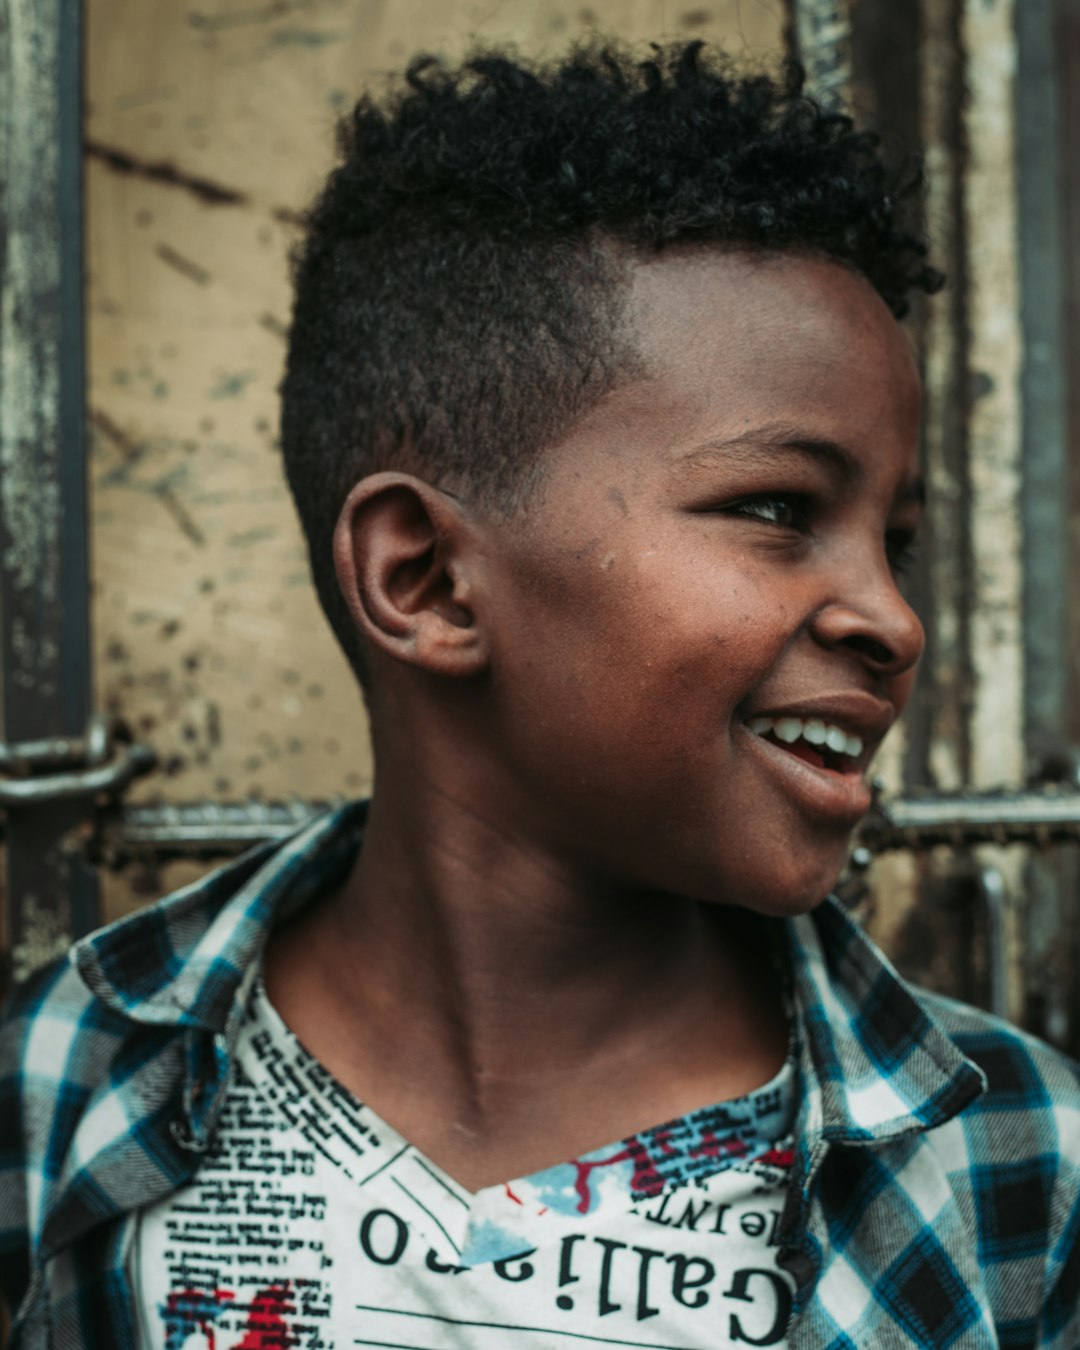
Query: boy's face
x=709, y=570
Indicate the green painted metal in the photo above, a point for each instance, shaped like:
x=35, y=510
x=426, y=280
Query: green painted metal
x=44, y=583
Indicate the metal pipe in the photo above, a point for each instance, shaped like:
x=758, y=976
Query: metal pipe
x=213, y=829
x=44, y=581
x=961, y=819
x=78, y=784
x=991, y=885
x=820, y=32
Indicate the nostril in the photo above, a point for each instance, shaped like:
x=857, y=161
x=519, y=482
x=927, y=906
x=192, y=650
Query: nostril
x=876, y=651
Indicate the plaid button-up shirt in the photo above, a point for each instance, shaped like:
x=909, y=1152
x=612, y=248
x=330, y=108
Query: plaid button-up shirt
x=934, y=1201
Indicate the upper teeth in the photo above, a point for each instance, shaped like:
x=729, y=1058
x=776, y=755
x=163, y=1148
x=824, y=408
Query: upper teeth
x=811, y=729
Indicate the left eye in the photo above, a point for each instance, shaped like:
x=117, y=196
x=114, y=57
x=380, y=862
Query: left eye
x=900, y=550
x=788, y=511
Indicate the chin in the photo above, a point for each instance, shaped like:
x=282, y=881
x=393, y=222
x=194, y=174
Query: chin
x=778, y=897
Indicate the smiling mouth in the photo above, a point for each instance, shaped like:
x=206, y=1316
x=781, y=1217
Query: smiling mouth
x=824, y=745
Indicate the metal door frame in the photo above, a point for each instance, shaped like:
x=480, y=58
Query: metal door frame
x=45, y=655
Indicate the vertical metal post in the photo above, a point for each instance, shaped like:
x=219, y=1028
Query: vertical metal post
x=820, y=37
x=941, y=734
x=44, y=591
x=1066, y=40
x=1045, y=493
x=1045, y=486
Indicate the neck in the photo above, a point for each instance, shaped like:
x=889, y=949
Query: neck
x=499, y=1002
x=504, y=971
x=515, y=966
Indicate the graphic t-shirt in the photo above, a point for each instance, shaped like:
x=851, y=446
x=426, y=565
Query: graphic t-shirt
x=312, y=1224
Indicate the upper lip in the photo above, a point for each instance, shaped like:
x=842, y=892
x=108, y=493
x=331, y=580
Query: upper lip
x=855, y=712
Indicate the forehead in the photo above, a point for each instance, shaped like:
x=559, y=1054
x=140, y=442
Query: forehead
x=750, y=338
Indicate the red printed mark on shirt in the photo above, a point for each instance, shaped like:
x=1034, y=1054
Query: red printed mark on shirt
x=646, y=1180
x=188, y=1310
x=711, y=1147
x=266, y=1327
x=585, y=1170
x=662, y=1138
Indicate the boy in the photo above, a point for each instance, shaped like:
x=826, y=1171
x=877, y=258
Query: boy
x=604, y=436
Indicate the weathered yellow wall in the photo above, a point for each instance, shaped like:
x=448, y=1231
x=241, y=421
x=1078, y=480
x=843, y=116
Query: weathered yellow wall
x=208, y=127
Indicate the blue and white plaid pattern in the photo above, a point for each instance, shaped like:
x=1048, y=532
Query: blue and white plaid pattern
x=935, y=1198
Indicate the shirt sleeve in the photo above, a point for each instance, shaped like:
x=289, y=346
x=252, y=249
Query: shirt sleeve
x=1061, y=1314
x=27, y=1011
x=14, y=1235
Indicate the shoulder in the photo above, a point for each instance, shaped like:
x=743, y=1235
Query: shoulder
x=42, y=1022
x=1023, y=1074
x=57, y=1043
x=1026, y=1122
x=173, y=965
x=1012, y=1156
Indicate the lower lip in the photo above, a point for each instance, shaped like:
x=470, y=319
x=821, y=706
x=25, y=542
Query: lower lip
x=838, y=798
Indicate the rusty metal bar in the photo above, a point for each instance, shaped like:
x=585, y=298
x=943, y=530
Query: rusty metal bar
x=939, y=731
x=44, y=591
x=56, y=752
x=1038, y=817
x=208, y=829
x=104, y=780
x=204, y=829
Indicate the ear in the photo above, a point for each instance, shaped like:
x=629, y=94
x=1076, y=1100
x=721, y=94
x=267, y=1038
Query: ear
x=401, y=550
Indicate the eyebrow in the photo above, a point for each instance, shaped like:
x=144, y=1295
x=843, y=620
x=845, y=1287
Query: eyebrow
x=780, y=442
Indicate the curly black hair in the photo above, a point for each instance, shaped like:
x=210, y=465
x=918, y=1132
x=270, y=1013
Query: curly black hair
x=459, y=293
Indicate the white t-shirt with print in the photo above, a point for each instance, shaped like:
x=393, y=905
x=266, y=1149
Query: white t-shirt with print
x=312, y=1224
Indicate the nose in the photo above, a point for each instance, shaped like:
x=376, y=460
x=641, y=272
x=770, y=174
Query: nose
x=874, y=622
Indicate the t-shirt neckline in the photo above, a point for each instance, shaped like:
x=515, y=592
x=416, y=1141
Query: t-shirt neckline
x=750, y=1130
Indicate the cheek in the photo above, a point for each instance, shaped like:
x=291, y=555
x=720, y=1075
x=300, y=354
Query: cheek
x=661, y=631
x=656, y=664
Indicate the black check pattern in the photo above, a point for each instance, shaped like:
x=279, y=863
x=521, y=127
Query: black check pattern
x=1013, y=1208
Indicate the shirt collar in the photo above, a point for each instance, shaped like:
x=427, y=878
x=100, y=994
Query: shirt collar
x=878, y=1062
x=875, y=1064
x=181, y=962
x=186, y=964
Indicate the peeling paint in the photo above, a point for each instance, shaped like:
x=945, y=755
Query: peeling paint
x=244, y=17
x=163, y=488
x=29, y=434
x=185, y=266
x=977, y=519
x=45, y=934
x=232, y=385
x=994, y=354
x=303, y=37
x=943, y=429
x=204, y=189
x=823, y=38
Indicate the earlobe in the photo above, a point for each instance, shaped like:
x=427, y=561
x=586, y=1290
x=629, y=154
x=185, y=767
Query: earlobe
x=401, y=555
